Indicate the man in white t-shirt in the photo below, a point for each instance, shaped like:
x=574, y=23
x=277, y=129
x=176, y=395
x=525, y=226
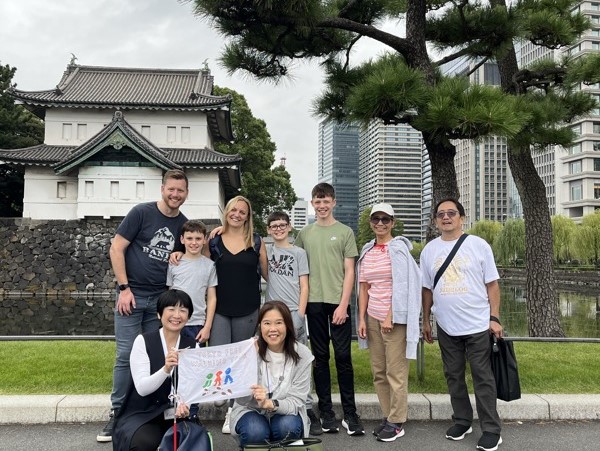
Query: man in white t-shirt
x=466, y=305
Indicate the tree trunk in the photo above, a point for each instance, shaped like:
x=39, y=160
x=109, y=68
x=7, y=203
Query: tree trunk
x=542, y=300
x=443, y=176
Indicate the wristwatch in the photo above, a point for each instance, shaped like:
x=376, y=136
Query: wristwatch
x=123, y=287
x=495, y=319
x=275, y=405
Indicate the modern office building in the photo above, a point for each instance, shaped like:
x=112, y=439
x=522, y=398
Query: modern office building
x=338, y=166
x=391, y=172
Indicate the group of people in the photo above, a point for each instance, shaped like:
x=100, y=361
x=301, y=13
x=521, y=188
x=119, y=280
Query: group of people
x=214, y=297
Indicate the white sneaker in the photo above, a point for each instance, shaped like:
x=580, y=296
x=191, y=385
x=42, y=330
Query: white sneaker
x=225, y=429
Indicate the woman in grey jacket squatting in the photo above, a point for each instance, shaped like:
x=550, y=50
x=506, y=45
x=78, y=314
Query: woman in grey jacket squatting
x=389, y=304
x=276, y=410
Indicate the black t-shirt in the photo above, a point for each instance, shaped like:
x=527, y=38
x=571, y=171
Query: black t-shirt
x=152, y=236
x=238, y=291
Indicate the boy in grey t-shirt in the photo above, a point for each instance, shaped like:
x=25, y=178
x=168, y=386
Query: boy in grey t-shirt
x=288, y=282
x=288, y=272
x=196, y=275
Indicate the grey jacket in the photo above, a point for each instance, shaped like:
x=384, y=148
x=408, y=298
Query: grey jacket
x=406, y=291
x=291, y=393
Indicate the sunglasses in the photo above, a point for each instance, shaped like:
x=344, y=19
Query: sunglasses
x=278, y=226
x=450, y=213
x=384, y=219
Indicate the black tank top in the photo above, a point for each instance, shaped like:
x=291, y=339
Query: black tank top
x=238, y=290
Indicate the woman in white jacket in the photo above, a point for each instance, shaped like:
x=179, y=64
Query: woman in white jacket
x=389, y=305
x=276, y=410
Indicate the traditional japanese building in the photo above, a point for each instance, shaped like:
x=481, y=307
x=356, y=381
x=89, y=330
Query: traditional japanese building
x=111, y=133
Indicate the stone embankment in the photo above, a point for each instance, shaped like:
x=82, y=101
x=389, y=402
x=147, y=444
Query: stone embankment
x=567, y=279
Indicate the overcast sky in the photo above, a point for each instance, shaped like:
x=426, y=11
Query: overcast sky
x=38, y=36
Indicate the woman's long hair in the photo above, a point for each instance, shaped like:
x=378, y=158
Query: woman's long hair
x=289, y=343
x=248, y=225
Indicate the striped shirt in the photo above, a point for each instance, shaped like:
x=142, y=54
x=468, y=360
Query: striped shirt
x=376, y=270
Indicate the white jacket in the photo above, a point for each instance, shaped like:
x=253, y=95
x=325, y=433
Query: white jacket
x=406, y=291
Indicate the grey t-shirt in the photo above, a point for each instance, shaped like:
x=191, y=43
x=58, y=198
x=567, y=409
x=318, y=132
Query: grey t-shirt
x=286, y=265
x=194, y=276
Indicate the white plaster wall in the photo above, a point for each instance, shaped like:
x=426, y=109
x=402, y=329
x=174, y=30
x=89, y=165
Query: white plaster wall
x=205, y=200
x=158, y=121
x=206, y=197
x=40, y=199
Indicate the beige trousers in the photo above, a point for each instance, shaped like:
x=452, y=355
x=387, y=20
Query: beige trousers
x=390, y=369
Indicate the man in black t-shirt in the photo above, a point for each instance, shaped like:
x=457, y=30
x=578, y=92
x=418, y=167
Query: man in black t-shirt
x=139, y=255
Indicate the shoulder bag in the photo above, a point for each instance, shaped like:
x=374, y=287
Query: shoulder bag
x=304, y=444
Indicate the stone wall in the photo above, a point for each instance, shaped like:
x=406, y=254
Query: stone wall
x=55, y=277
x=46, y=257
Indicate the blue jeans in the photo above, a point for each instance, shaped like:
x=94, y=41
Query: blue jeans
x=142, y=319
x=256, y=428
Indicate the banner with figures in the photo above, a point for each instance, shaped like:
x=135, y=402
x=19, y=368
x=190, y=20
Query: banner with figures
x=217, y=372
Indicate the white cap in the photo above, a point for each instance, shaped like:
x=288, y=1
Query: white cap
x=384, y=208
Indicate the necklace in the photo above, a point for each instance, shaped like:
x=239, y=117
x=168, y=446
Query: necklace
x=273, y=383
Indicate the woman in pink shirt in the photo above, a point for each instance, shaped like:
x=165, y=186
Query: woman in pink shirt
x=389, y=305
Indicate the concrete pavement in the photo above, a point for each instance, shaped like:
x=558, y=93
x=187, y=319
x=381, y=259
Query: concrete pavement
x=42, y=409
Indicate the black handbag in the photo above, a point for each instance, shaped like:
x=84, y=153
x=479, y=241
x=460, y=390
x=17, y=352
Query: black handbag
x=504, y=367
x=308, y=444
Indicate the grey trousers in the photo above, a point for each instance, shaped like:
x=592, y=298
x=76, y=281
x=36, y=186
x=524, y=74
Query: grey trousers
x=476, y=348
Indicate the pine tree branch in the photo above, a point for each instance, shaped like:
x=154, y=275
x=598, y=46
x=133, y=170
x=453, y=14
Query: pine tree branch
x=452, y=57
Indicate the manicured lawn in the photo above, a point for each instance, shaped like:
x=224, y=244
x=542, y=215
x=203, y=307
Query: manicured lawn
x=80, y=367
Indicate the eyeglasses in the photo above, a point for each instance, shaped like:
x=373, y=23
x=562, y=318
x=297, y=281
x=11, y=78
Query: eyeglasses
x=450, y=213
x=279, y=226
x=384, y=220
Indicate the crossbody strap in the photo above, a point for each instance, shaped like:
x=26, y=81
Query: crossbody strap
x=448, y=259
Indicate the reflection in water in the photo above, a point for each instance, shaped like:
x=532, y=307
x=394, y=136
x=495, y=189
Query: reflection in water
x=41, y=315
x=580, y=312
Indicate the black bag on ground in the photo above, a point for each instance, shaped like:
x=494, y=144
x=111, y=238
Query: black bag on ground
x=504, y=367
x=309, y=444
x=191, y=436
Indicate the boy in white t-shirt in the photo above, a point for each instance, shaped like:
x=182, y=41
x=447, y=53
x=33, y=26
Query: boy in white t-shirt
x=196, y=275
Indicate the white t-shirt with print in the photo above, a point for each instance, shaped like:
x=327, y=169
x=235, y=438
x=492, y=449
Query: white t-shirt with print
x=460, y=300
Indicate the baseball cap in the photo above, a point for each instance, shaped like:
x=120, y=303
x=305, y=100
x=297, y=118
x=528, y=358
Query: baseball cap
x=384, y=208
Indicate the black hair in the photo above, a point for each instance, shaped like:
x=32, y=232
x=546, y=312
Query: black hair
x=289, y=348
x=459, y=206
x=278, y=216
x=172, y=298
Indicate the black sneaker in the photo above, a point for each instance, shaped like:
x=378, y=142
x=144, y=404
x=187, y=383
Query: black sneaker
x=489, y=441
x=106, y=434
x=390, y=432
x=315, y=424
x=353, y=424
x=329, y=423
x=458, y=432
x=379, y=427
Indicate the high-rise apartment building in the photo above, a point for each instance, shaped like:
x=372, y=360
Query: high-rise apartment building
x=482, y=171
x=390, y=172
x=338, y=166
x=299, y=214
x=572, y=175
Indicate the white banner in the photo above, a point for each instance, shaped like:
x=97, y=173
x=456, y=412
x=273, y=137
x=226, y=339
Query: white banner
x=217, y=372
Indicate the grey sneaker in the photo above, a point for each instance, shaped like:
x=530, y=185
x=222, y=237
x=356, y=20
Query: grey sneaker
x=315, y=424
x=391, y=432
x=105, y=435
x=489, y=441
x=458, y=432
x=379, y=427
x=329, y=423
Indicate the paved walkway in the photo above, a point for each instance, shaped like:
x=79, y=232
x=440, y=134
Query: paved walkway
x=40, y=409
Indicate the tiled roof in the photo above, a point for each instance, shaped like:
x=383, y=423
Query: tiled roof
x=97, y=86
